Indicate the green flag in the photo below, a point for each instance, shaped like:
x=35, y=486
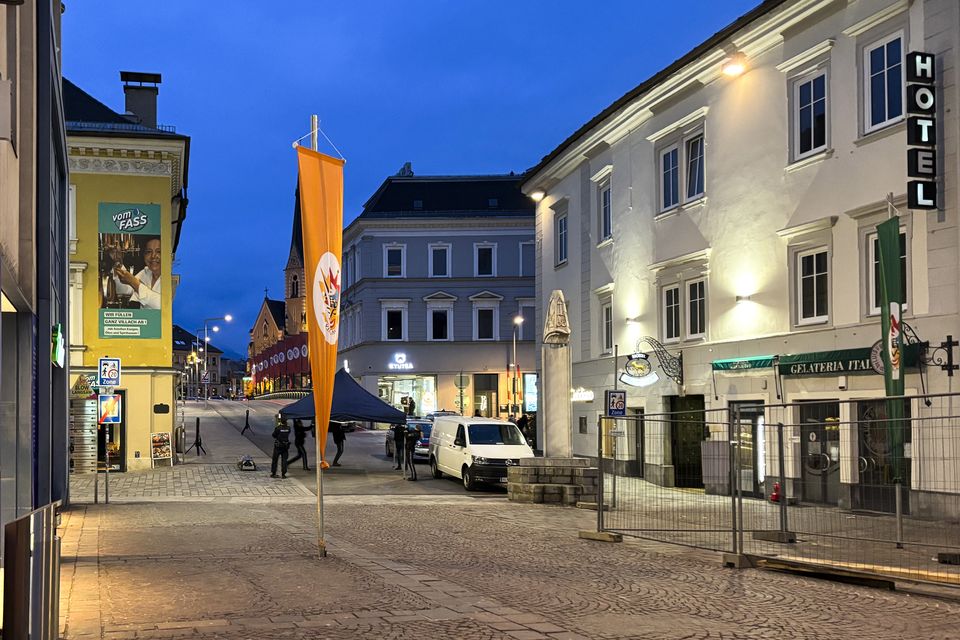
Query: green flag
x=891, y=299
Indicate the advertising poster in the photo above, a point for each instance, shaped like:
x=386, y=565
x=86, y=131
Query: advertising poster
x=130, y=270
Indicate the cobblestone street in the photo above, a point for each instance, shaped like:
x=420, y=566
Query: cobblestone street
x=228, y=562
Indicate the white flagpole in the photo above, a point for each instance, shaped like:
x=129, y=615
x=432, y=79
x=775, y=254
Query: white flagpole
x=321, y=542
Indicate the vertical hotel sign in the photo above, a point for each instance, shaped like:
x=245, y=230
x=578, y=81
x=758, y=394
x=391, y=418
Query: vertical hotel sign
x=130, y=273
x=321, y=212
x=922, y=191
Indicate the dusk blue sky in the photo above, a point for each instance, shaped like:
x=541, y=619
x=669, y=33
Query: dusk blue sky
x=455, y=87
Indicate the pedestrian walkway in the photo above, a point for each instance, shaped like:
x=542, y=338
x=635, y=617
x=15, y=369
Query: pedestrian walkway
x=212, y=475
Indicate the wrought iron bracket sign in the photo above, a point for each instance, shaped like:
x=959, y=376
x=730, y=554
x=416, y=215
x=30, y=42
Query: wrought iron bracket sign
x=672, y=365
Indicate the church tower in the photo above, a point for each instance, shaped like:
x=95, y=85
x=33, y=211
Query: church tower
x=293, y=274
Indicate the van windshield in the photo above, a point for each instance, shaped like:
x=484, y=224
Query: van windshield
x=495, y=434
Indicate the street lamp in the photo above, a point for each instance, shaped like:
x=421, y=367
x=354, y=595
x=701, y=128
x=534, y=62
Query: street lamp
x=517, y=322
x=206, y=338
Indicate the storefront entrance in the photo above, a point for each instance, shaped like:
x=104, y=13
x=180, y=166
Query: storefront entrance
x=820, y=442
x=752, y=454
x=485, y=386
x=687, y=432
x=884, y=456
x=112, y=440
x=414, y=395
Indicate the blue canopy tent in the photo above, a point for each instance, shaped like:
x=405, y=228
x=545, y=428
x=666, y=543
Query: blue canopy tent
x=350, y=402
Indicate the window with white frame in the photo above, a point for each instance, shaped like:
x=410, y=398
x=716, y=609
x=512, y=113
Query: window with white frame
x=682, y=170
x=696, y=309
x=484, y=259
x=695, y=169
x=670, y=177
x=671, y=313
x=528, y=259
x=883, y=87
x=394, y=319
x=810, y=118
x=813, y=286
x=484, y=323
x=528, y=312
x=440, y=261
x=606, y=322
x=605, y=210
x=873, y=270
x=394, y=260
x=439, y=324
x=560, y=240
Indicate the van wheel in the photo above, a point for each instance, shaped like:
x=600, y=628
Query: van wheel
x=468, y=482
x=437, y=474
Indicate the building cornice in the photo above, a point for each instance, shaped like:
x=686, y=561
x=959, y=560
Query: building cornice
x=129, y=156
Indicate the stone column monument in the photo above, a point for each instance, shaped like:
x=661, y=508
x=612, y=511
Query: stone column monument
x=557, y=436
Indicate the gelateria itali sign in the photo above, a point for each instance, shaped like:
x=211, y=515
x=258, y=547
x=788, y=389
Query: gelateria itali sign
x=840, y=362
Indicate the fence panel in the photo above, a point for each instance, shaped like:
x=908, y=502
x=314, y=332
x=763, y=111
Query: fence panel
x=868, y=485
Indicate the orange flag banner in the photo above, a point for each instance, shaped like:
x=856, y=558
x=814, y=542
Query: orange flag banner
x=321, y=209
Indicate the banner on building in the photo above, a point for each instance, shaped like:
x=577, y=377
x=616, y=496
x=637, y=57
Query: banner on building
x=321, y=211
x=891, y=299
x=130, y=272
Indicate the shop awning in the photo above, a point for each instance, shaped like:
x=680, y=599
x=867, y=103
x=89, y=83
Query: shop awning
x=840, y=362
x=350, y=402
x=740, y=364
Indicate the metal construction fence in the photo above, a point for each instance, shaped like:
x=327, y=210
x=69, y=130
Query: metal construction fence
x=867, y=486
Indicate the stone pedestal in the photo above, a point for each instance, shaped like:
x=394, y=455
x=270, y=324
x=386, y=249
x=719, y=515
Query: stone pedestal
x=560, y=481
x=557, y=435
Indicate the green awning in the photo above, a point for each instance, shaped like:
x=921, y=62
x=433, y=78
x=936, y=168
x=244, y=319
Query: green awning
x=740, y=364
x=840, y=362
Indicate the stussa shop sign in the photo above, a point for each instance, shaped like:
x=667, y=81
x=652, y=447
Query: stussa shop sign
x=922, y=191
x=399, y=363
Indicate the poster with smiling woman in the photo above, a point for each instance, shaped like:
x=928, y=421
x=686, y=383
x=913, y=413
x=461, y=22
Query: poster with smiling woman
x=130, y=270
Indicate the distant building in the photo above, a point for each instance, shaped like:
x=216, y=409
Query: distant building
x=189, y=353
x=128, y=202
x=277, y=351
x=436, y=269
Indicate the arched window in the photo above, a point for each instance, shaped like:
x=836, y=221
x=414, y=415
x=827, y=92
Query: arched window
x=295, y=288
x=264, y=329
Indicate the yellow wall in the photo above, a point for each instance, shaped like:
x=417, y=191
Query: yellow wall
x=91, y=190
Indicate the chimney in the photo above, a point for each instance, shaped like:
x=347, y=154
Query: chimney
x=141, y=91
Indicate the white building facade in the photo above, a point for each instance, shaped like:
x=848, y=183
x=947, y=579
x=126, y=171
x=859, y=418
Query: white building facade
x=734, y=216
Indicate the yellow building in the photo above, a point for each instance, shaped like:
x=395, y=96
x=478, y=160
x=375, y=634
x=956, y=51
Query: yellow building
x=127, y=204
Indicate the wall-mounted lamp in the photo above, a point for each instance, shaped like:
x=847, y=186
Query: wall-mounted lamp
x=743, y=299
x=634, y=320
x=537, y=195
x=735, y=65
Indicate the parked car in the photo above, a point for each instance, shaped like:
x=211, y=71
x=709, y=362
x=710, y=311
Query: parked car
x=423, y=446
x=475, y=449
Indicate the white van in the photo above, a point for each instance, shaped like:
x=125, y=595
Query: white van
x=475, y=449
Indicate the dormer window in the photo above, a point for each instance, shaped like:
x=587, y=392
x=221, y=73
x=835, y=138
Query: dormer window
x=493, y=203
x=418, y=205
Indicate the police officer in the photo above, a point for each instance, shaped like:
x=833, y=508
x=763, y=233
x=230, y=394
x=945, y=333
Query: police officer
x=336, y=429
x=299, y=437
x=281, y=448
x=413, y=436
x=399, y=437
